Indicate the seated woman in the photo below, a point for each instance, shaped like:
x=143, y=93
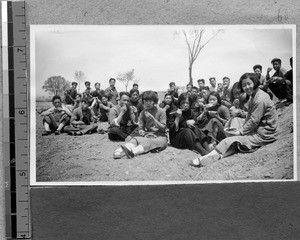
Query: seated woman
x=214, y=117
x=122, y=119
x=238, y=110
x=83, y=120
x=151, y=135
x=56, y=117
x=169, y=107
x=259, y=129
x=183, y=133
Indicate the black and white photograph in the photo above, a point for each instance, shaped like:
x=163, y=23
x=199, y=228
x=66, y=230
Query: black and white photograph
x=158, y=104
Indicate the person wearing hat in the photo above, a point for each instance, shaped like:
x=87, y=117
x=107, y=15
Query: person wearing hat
x=70, y=94
x=278, y=84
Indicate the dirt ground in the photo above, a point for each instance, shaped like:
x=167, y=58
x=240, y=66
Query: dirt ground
x=89, y=158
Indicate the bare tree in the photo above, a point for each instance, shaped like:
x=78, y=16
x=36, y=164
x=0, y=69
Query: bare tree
x=195, y=41
x=56, y=85
x=79, y=77
x=127, y=77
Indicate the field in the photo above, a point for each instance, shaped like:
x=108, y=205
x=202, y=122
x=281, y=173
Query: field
x=89, y=158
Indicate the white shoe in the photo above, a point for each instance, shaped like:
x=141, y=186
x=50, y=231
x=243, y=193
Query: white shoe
x=196, y=162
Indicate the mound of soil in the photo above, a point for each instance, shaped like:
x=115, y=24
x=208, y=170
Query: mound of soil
x=89, y=158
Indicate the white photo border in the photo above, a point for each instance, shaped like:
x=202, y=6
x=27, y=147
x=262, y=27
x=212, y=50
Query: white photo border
x=32, y=95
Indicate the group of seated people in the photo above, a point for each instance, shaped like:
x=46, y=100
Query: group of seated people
x=214, y=121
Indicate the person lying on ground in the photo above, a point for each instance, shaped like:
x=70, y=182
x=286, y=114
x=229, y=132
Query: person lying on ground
x=183, y=132
x=151, y=134
x=259, y=129
x=83, y=120
x=123, y=119
x=278, y=84
x=56, y=117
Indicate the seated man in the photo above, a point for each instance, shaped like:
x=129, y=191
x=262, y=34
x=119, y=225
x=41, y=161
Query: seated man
x=122, y=119
x=70, y=94
x=278, y=84
x=102, y=113
x=135, y=100
x=82, y=121
x=289, y=75
x=87, y=94
x=262, y=79
x=226, y=93
x=56, y=117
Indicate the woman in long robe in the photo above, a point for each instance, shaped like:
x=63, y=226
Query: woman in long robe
x=259, y=129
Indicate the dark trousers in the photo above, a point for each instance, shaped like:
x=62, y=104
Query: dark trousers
x=192, y=139
x=53, y=125
x=282, y=90
x=120, y=133
x=85, y=129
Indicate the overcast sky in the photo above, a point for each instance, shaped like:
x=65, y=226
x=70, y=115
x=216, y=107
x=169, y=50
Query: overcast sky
x=155, y=52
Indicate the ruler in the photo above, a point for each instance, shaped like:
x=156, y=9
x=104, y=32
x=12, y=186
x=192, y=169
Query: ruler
x=15, y=120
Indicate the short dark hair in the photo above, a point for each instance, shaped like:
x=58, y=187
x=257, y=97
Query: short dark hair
x=97, y=83
x=87, y=82
x=56, y=97
x=124, y=93
x=226, y=78
x=104, y=95
x=169, y=94
x=276, y=60
x=183, y=97
x=135, y=84
x=201, y=80
x=257, y=66
x=251, y=76
x=189, y=84
x=112, y=79
x=194, y=87
x=85, y=100
x=212, y=78
x=171, y=83
x=132, y=91
x=74, y=83
x=217, y=95
x=150, y=95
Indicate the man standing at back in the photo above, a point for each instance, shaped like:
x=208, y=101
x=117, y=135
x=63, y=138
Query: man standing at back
x=111, y=92
x=213, y=84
